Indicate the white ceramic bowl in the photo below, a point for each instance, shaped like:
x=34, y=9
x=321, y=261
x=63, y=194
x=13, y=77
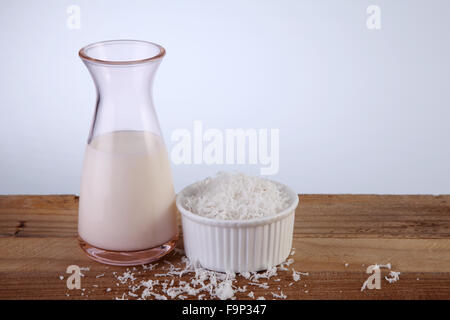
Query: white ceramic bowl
x=238, y=245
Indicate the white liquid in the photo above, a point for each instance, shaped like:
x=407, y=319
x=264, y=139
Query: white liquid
x=127, y=200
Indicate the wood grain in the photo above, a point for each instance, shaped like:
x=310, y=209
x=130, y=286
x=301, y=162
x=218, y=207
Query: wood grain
x=336, y=237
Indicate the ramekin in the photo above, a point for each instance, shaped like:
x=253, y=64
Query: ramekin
x=238, y=245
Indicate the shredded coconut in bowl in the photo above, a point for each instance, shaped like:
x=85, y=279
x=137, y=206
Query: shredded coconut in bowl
x=236, y=197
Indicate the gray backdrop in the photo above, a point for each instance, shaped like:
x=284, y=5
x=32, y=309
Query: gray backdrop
x=359, y=110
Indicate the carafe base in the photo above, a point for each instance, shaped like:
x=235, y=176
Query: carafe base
x=128, y=258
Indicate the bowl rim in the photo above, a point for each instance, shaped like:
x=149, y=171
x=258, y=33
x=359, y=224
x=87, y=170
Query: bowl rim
x=238, y=223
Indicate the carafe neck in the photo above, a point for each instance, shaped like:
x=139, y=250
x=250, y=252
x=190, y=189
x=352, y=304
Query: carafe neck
x=123, y=77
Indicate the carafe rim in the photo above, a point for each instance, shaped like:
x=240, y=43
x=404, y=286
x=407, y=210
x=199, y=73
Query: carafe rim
x=83, y=53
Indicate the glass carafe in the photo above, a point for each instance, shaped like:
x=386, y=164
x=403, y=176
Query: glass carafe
x=127, y=213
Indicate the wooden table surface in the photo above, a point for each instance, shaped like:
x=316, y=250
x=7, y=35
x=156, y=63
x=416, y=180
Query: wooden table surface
x=336, y=238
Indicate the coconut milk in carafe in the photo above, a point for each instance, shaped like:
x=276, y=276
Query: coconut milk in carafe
x=127, y=196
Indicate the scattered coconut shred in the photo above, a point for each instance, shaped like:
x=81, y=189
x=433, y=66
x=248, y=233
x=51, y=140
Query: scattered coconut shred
x=394, y=276
x=202, y=283
x=170, y=283
x=236, y=197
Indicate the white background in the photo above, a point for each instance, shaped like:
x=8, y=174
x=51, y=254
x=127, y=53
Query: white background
x=359, y=111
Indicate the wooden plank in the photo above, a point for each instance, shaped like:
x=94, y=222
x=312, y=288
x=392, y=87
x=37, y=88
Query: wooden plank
x=30, y=268
x=311, y=254
x=38, y=216
x=376, y=216
x=336, y=237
